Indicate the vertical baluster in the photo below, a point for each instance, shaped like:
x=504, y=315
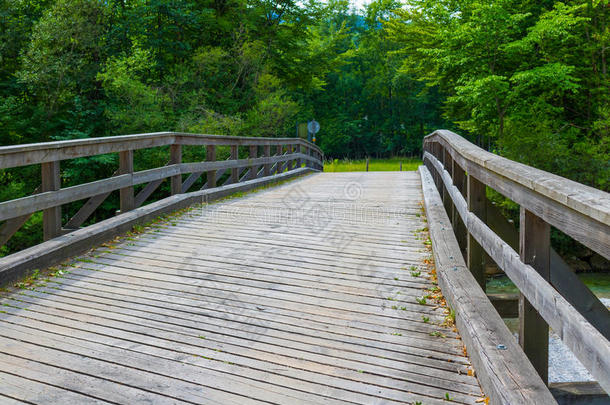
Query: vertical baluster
x=175, y=159
x=267, y=154
x=235, y=170
x=127, y=200
x=534, y=249
x=51, y=217
x=290, y=162
x=477, y=203
x=280, y=165
x=210, y=156
x=253, y=155
x=459, y=180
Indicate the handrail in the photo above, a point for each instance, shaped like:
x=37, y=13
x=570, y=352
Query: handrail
x=43, y=152
x=461, y=172
x=290, y=154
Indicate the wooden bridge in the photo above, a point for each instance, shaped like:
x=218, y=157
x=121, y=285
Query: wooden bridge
x=330, y=288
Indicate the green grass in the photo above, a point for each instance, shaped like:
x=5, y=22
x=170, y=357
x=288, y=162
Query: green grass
x=375, y=165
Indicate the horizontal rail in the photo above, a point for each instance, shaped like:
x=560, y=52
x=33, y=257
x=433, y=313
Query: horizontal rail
x=579, y=211
x=462, y=171
x=586, y=342
x=506, y=375
x=289, y=154
x=36, y=153
x=37, y=202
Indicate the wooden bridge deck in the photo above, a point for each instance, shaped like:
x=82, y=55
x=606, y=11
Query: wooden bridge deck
x=299, y=294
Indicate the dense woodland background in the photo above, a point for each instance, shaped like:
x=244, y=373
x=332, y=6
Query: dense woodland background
x=525, y=79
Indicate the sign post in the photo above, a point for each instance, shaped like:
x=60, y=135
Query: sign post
x=312, y=128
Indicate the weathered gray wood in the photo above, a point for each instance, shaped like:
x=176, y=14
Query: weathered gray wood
x=211, y=157
x=234, y=171
x=580, y=211
x=173, y=309
x=280, y=165
x=459, y=179
x=54, y=251
x=127, y=202
x=175, y=158
x=51, y=216
x=505, y=374
x=148, y=189
x=253, y=155
x=267, y=166
x=49, y=199
x=585, y=341
x=9, y=227
x=21, y=155
x=477, y=203
x=86, y=210
x=534, y=249
x=190, y=180
x=563, y=277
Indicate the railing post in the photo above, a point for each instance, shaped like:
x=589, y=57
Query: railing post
x=210, y=156
x=448, y=166
x=459, y=180
x=290, y=162
x=534, y=249
x=175, y=159
x=477, y=203
x=253, y=155
x=267, y=166
x=235, y=170
x=127, y=199
x=299, y=149
x=279, y=168
x=51, y=217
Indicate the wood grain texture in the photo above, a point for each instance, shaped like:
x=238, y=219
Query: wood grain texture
x=299, y=294
x=22, y=155
x=580, y=211
x=506, y=375
x=582, y=338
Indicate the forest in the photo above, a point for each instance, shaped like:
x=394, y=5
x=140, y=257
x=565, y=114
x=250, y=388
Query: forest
x=525, y=79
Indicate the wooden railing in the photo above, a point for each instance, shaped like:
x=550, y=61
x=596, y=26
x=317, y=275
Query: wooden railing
x=267, y=158
x=549, y=295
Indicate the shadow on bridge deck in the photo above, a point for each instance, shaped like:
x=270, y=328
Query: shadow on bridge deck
x=310, y=292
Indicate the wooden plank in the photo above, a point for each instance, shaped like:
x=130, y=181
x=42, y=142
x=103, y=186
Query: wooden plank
x=587, y=200
x=253, y=155
x=585, y=341
x=175, y=158
x=51, y=215
x=502, y=367
x=48, y=254
x=127, y=202
x=579, y=211
x=148, y=189
x=459, y=180
x=211, y=157
x=190, y=180
x=534, y=249
x=267, y=166
x=563, y=277
x=234, y=171
x=11, y=226
x=21, y=155
x=477, y=204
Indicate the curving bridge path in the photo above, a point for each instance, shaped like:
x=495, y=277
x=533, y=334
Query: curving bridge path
x=330, y=288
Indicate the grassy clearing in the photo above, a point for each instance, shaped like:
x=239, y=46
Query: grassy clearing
x=375, y=165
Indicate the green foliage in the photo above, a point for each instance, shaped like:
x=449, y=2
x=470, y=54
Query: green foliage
x=527, y=80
